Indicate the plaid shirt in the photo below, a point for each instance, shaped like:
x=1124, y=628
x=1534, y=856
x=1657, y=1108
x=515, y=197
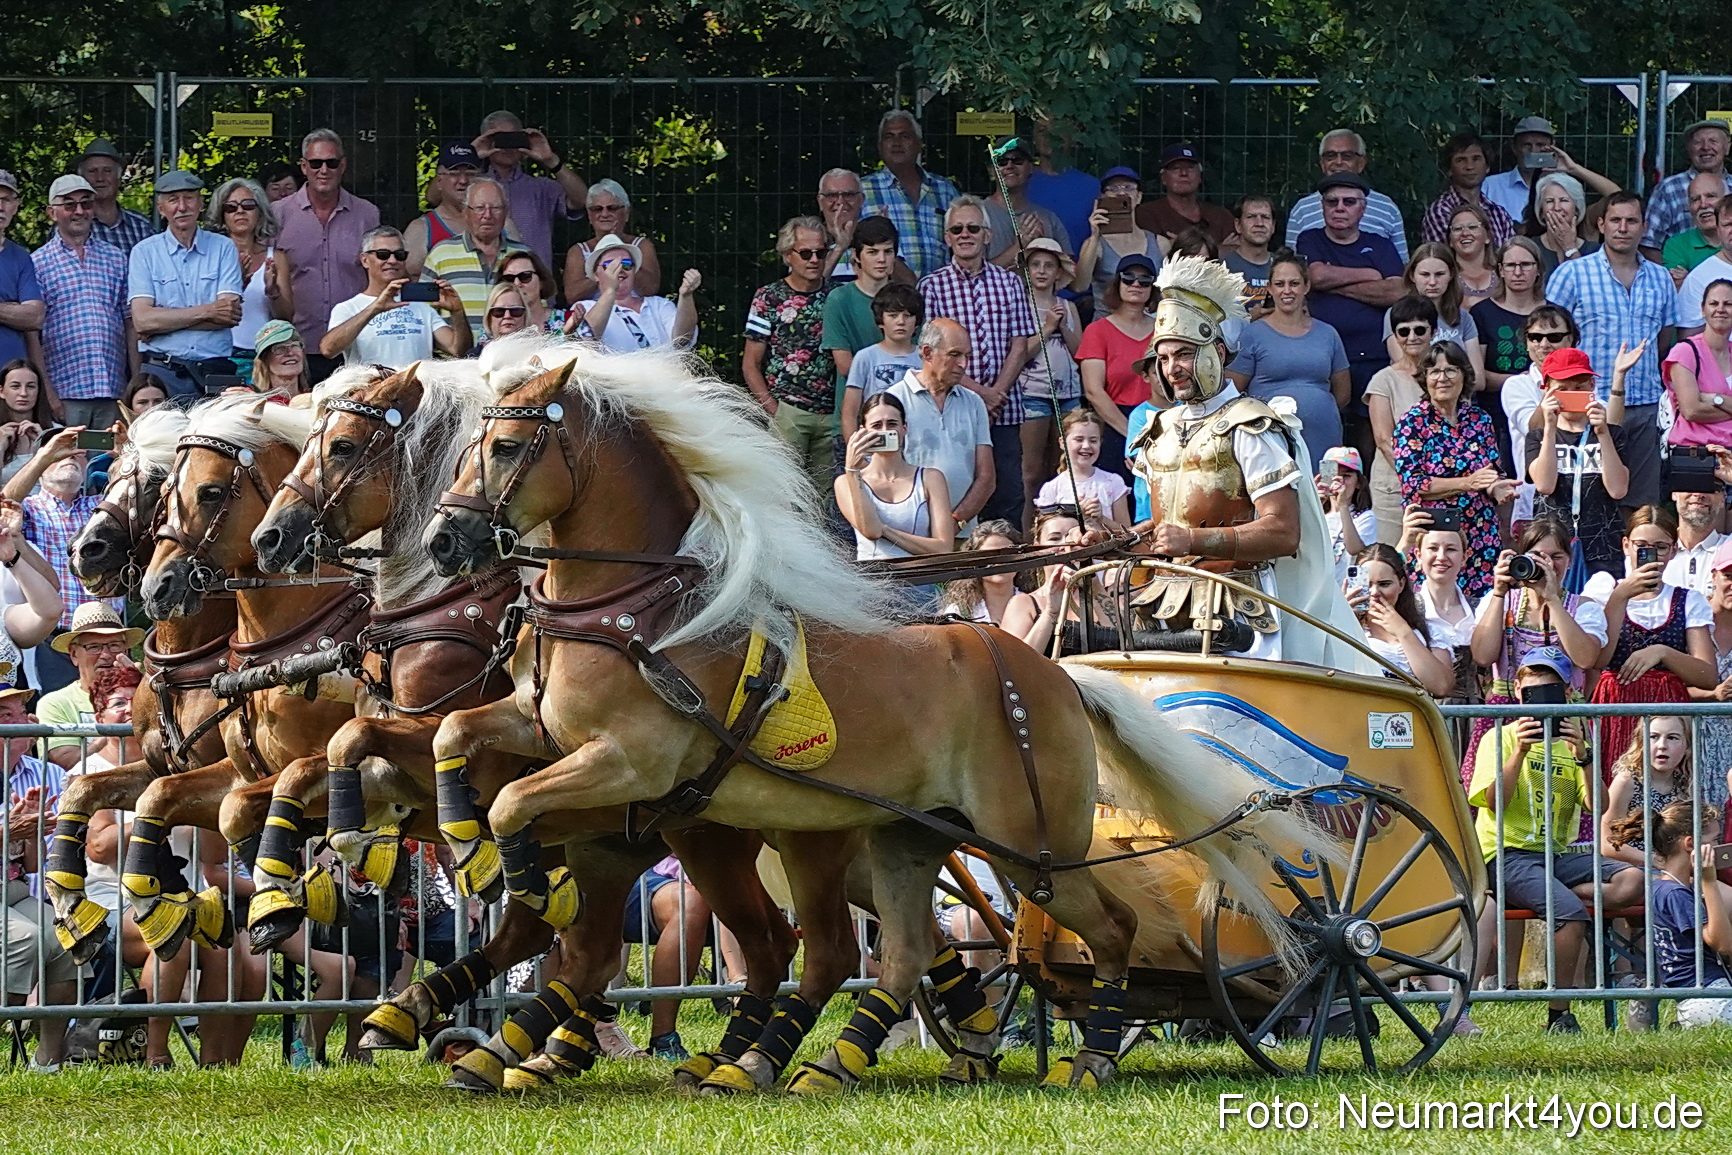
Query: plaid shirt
x=125, y=232
x=1434, y=225
x=50, y=525
x=993, y=306
x=1611, y=317
x=919, y=224
x=1669, y=207
x=84, y=328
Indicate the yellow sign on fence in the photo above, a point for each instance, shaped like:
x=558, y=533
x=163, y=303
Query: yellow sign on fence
x=241, y=123
x=985, y=123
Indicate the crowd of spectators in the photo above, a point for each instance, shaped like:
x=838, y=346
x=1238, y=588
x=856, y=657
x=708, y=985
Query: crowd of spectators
x=1513, y=411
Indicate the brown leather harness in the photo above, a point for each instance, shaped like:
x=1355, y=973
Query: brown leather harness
x=180, y=673
x=387, y=421
x=480, y=613
x=204, y=577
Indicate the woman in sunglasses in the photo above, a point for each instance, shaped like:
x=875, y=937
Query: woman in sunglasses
x=620, y=316
x=507, y=313
x=1110, y=356
x=1113, y=237
x=241, y=211
x=1547, y=328
x=534, y=282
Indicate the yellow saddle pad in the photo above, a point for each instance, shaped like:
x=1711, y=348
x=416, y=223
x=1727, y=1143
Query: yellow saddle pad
x=800, y=731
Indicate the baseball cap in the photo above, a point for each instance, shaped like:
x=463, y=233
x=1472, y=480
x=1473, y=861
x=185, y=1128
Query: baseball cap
x=459, y=154
x=1713, y=122
x=1346, y=456
x=1012, y=147
x=1343, y=180
x=1550, y=658
x=1135, y=261
x=1563, y=364
x=1120, y=171
x=271, y=334
x=1722, y=556
x=179, y=180
x=1174, y=153
x=1533, y=124
x=7, y=180
x=66, y=185
x=102, y=146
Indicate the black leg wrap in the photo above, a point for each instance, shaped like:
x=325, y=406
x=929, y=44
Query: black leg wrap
x=345, y=808
x=745, y=1025
x=957, y=987
x=520, y=856
x=66, y=848
x=282, y=838
x=1104, y=1029
x=573, y=1042
x=144, y=846
x=599, y=1009
x=246, y=851
x=788, y=1028
x=867, y=1028
x=169, y=865
x=454, y=797
x=458, y=983
x=525, y=1031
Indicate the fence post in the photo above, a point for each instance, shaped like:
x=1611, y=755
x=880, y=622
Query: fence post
x=1665, y=101
x=1641, y=173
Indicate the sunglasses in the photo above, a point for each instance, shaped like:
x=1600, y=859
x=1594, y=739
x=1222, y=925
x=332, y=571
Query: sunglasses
x=809, y=254
x=522, y=278
x=1341, y=202
x=1412, y=330
x=322, y=162
x=1551, y=338
x=506, y=311
x=958, y=230
x=1013, y=158
x=622, y=263
x=605, y=208
x=388, y=254
x=82, y=204
x=246, y=206
x=1140, y=279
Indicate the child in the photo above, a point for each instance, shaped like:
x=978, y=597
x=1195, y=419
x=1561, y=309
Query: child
x=1687, y=896
x=1509, y=781
x=900, y=312
x=1051, y=382
x=1139, y=420
x=1103, y=497
x=1576, y=460
x=1668, y=741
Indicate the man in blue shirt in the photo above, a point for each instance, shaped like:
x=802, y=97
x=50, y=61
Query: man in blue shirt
x=1355, y=276
x=21, y=307
x=185, y=288
x=913, y=198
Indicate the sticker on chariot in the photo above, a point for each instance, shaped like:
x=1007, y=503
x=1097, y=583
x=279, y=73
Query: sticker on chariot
x=1392, y=731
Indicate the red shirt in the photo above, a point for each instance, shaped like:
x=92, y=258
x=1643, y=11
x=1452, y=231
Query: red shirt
x=1105, y=341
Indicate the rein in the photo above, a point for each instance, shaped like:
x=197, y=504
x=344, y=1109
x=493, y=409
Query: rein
x=143, y=536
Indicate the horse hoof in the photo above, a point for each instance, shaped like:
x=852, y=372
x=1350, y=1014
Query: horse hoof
x=390, y=1028
x=690, y=1073
x=83, y=933
x=480, y=1071
x=1079, y=1073
x=271, y=931
x=727, y=1079
x=539, y=1072
x=481, y=874
x=814, y=1082
x=213, y=923
x=165, y=926
x=969, y=1070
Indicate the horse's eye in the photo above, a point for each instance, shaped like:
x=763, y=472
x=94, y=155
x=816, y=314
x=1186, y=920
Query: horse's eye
x=211, y=494
x=342, y=447
x=504, y=448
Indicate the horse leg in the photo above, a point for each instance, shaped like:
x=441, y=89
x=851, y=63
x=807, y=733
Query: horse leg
x=498, y=725
x=282, y=896
x=817, y=869
x=398, y=1025
x=589, y=957
x=80, y=924
x=375, y=848
x=904, y=872
x=1081, y=903
x=152, y=878
x=722, y=863
x=965, y=1003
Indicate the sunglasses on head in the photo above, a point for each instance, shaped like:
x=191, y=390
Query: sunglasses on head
x=388, y=254
x=809, y=254
x=246, y=206
x=499, y=311
x=1551, y=337
x=322, y=161
x=1140, y=279
x=1419, y=330
x=522, y=278
x=958, y=230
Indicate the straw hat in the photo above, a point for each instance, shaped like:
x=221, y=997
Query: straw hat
x=96, y=619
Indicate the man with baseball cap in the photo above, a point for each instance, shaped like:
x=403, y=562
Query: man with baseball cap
x=1706, y=142
x=1015, y=162
x=458, y=161
x=1183, y=206
x=96, y=641
x=1577, y=460
x=103, y=166
x=185, y=287
x=87, y=345
x=20, y=295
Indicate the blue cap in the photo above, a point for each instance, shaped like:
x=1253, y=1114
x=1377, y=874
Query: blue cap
x=1135, y=261
x=459, y=154
x=1549, y=658
x=1174, y=153
x=1121, y=170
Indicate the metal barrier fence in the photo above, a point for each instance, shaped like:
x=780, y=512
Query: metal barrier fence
x=1624, y=964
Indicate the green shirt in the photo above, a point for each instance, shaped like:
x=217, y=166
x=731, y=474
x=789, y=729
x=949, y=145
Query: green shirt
x=1524, y=804
x=67, y=706
x=1687, y=250
x=848, y=324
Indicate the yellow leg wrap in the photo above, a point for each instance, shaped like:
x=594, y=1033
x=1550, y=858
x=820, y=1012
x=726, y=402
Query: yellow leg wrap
x=266, y=903
x=479, y=1070
x=980, y=1022
x=274, y=872
x=853, y=1059
x=1068, y=1074
x=79, y=925
x=162, y=923
x=212, y=925
x=694, y=1070
x=379, y=860
x=141, y=886
x=563, y=899
x=392, y=1020
x=517, y=1039
x=479, y=874
x=322, y=897
x=815, y=1082
x=730, y=1077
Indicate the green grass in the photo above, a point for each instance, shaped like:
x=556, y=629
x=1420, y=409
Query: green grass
x=1166, y=1101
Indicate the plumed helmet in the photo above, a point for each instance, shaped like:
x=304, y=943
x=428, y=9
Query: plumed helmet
x=1198, y=296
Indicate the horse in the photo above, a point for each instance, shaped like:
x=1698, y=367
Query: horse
x=688, y=565
x=173, y=704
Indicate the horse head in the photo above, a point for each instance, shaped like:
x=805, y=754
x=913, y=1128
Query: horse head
x=112, y=549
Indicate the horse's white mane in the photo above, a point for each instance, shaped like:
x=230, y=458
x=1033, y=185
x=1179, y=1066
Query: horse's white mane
x=150, y=442
x=428, y=447
x=759, y=528
x=250, y=422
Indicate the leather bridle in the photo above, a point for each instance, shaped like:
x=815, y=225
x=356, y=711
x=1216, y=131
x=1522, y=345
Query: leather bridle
x=141, y=535
x=203, y=576
x=549, y=417
x=387, y=421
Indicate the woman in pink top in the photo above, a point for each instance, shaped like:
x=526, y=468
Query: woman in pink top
x=1699, y=371
x=1109, y=354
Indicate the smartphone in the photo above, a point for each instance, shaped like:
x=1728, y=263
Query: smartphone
x=1548, y=695
x=1356, y=584
x=1575, y=400
x=1118, y=210
x=419, y=291
x=1723, y=856
x=1647, y=555
x=1444, y=518
x=1329, y=470
x=1542, y=160
x=889, y=441
x=95, y=439
x=508, y=139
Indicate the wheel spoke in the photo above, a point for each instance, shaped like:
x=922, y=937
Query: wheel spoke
x=1424, y=1036
x=994, y=974
x=1361, y=839
x=1234, y=972
x=1007, y=1005
x=1281, y=1008
x=1362, y=1026
x=1395, y=875
x=1331, y=900
x=1302, y=926
x=1291, y=882
x=1424, y=913
x=1423, y=966
x=1320, y=1021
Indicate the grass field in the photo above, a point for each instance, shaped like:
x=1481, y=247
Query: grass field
x=1168, y=1099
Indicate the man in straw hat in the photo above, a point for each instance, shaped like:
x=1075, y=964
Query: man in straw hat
x=96, y=641
x=1227, y=486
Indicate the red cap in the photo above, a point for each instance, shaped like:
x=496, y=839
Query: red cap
x=1562, y=364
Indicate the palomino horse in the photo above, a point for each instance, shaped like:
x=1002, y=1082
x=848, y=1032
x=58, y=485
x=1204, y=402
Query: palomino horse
x=173, y=704
x=225, y=467
x=686, y=546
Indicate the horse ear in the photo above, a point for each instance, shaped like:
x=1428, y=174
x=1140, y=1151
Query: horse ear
x=125, y=414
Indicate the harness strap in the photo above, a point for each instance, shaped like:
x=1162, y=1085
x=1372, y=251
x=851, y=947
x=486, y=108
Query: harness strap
x=1016, y=714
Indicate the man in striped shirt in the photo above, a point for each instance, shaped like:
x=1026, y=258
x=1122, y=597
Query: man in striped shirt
x=468, y=261
x=1343, y=150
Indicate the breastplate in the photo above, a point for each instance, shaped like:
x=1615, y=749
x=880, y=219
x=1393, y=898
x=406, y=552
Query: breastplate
x=1194, y=477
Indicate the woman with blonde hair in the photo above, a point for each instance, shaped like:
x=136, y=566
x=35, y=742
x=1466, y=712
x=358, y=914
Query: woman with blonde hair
x=1432, y=273
x=240, y=211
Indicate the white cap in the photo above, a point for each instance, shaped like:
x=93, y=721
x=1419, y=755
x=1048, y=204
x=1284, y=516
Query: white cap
x=66, y=185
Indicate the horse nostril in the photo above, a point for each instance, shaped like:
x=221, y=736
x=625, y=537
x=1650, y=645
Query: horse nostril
x=443, y=544
x=267, y=540
x=93, y=549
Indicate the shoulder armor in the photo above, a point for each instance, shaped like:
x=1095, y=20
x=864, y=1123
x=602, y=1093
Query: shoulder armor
x=1247, y=413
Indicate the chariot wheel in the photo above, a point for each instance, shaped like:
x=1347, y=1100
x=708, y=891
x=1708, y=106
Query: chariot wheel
x=1344, y=918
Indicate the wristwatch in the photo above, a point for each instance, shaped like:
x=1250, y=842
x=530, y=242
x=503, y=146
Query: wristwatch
x=1717, y=400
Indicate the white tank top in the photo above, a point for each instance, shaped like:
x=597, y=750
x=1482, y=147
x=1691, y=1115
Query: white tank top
x=910, y=515
x=255, y=307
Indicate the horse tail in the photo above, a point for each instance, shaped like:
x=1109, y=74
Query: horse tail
x=1149, y=767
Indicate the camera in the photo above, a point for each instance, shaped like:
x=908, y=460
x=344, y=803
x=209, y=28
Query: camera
x=889, y=441
x=1647, y=555
x=1524, y=570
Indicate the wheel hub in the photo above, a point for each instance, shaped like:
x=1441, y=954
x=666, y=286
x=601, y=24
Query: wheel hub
x=1354, y=938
